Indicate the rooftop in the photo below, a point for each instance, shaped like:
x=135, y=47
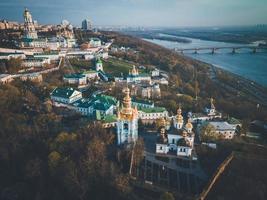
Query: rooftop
x=233, y=120
x=12, y=53
x=142, y=101
x=4, y=75
x=63, y=92
x=223, y=126
x=82, y=103
x=139, y=75
x=45, y=54
x=78, y=75
x=29, y=59
x=153, y=110
x=90, y=72
x=110, y=119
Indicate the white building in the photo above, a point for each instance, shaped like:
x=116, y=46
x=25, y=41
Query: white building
x=8, y=56
x=224, y=129
x=5, y=78
x=210, y=114
x=155, y=72
x=134, y=76
x=65, y=95
x=36, y=62
x=34, y=77
x=152, y=114
x=160, y=80
x=95, y=42
x=91, y=74
x=52, y=56
x=77, y=79
x=150, y=91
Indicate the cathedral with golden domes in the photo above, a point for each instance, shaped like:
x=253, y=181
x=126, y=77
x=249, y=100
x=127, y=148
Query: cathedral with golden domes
x=178, y=139
x=127, y=121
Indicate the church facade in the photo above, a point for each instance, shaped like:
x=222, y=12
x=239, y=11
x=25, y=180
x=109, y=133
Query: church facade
x=178, y=139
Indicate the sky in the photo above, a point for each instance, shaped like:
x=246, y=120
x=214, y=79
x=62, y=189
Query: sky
x=166, y=13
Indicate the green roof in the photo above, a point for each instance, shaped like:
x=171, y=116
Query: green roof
x=74, y=75
x=63, y=92
x=95, y=39
x=233, y=120
x=33, y=39
x=153, y=110
x=83, y=103
x=106, y=99
x=142, y=101
x=45, y=54
x=101, y=106
x=110, y=119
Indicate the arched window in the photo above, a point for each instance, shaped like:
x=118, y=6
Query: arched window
x=126, y=126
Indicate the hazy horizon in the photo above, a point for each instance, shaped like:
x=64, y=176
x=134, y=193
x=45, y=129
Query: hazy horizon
x=147, y=13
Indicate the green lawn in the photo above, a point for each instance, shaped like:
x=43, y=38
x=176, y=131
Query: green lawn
x=115, y=66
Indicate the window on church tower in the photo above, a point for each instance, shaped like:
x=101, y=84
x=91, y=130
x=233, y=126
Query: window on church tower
x=126, y=126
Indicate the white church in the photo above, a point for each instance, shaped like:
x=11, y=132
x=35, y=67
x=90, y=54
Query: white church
x=178, y=140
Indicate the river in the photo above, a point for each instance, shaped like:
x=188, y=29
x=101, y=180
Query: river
x=249, y=65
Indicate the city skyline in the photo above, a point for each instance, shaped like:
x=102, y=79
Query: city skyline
x=140, y=12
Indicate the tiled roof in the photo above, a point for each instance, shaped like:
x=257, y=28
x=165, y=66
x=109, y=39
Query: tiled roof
x=222, y=125
x=83, y=103
x=63, y=92
x=106, y=99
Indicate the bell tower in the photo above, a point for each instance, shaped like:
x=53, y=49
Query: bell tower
x=127, y=121
x=29, y=29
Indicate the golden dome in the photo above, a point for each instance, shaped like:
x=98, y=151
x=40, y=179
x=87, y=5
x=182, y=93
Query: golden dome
x=127, y=112
x=161, y=122
x=134, y=70
x=189, y=124
x=179, y=116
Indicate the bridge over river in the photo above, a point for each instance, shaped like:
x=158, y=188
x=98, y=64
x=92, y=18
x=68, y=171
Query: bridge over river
x=254, y=49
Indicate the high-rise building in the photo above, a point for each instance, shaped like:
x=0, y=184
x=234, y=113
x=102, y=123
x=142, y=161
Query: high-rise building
x=29, y=29
x=87, y=25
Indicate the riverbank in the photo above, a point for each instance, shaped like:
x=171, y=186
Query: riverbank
x=244, y=63
x=237, y=84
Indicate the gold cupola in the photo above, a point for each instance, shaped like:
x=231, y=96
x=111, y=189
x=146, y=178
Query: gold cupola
x=212, y=103
x=127, y=112
x=189, y=125
x=179, y=116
